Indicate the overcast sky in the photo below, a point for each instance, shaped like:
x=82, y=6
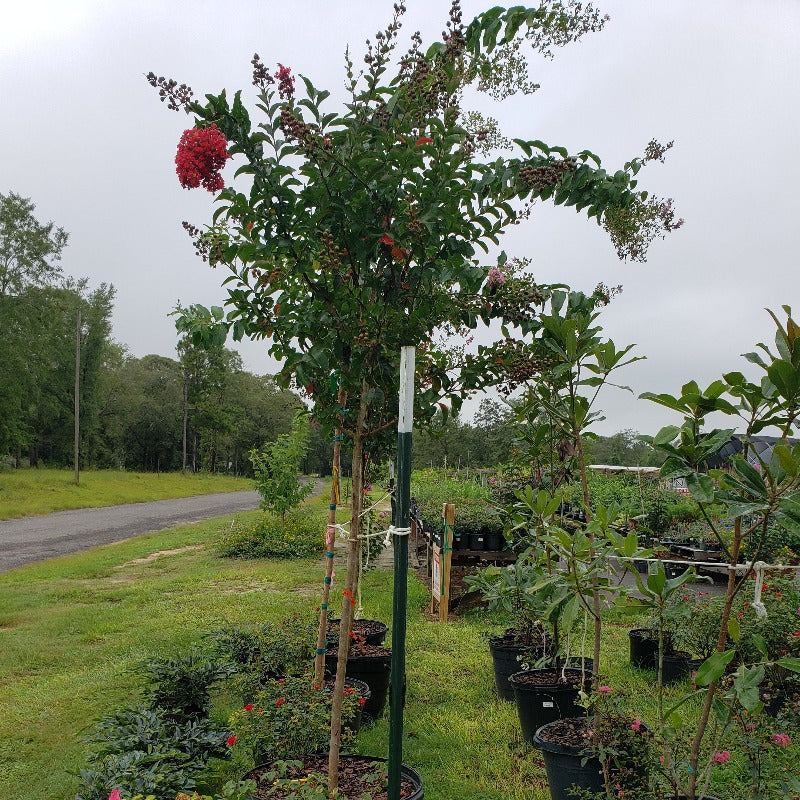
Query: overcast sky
x=86, y=138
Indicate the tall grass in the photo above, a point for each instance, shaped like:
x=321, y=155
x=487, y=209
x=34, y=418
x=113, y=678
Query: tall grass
x=25, y=492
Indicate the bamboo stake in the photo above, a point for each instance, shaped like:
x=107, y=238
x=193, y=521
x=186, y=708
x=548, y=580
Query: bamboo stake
x=330, y=541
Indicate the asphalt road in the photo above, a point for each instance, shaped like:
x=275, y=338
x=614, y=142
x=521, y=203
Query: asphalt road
x=23, y=541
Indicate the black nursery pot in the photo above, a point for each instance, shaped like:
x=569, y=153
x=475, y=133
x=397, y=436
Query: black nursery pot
x=540, y=703
x=567, y=767
x=643, y=648
x=477, y=541
x=354, y=725
x=461, y=541
x=505, y=660
x=675, y=666
x=407, y=774
x=674, y=570
x=494, y=542
x=374, y=670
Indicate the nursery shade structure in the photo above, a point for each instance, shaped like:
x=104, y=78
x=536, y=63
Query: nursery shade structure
x=401, y=525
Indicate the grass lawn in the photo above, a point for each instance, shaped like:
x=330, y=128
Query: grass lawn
x=24, y=492
x=73, y=629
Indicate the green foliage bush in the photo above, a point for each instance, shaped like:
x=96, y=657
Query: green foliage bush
x=276, y=467
x=474, y=508
x=141, y=750
x=660, y=507
x=260, y=653
x=182, y=684
x=299, y=535
x=289, y=718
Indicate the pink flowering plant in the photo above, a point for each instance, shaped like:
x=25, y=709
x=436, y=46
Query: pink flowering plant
x=620, y=741
x=766, y=750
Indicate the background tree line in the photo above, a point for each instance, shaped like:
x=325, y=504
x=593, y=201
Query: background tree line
x=493, y=438
x=199, y=411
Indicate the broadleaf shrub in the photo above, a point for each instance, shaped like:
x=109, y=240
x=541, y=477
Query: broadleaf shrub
x=299, y=535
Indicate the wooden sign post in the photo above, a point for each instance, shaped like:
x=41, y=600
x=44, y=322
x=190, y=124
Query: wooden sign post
x=440, y=568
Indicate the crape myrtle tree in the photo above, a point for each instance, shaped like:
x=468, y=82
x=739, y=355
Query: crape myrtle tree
x=352, y=231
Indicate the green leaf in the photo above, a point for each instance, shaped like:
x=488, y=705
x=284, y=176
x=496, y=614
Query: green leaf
x=787, y=461
x=701, y=487
x=734, y=629
x=713, y=667
x=790, y=663
x=760, y=644
x=666, y=435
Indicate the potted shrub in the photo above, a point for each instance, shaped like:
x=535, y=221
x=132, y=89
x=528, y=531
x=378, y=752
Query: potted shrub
x=606, y=753
x=509, y=589
x=373, y=631
x=756, y=498
x=287, y=719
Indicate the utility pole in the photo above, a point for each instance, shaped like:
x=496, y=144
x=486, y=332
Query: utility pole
x=77, y=393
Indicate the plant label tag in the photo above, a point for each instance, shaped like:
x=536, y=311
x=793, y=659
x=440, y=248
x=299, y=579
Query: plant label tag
x=547, y=704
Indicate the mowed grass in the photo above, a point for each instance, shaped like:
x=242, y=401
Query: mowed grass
x=25, y=492
x=73, y=630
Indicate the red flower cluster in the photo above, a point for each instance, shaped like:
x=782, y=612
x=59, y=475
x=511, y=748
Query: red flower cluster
x=279, y=702
x=231, y=740
x=285, y=82
x=249, y=707
x=202, y=153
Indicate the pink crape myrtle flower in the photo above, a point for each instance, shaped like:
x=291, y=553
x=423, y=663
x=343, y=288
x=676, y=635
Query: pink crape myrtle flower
x=202, y=153
x=605, y=689
x=723, y=757
x=494, y=279
x=115, y=795
x=782, y=739
x=636, y=725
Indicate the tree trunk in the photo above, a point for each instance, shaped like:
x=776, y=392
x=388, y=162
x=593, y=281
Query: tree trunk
x=330, y=542
x=348, y=596
x=596, y=611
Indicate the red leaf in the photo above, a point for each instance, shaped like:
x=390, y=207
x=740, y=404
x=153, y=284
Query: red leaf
x=386, y=239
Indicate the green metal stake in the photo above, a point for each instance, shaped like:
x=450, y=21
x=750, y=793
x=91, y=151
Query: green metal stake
x=401, y=523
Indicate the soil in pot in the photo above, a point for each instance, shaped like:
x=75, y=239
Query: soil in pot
x=544, y=695
x=358, y=776
x=371, y=664
x=372, y=630
x=563, y=747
